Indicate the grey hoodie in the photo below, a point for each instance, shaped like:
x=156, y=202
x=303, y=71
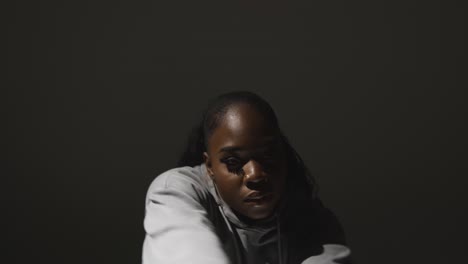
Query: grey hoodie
x=186, y=221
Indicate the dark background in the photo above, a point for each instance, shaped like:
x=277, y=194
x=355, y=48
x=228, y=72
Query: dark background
x=101, y=96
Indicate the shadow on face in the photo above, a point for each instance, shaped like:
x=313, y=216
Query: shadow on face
x=245, y=158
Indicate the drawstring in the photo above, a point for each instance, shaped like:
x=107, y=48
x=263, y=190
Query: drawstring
x=280, y=251
x=233, y=232
x=221, y=209
x=278, y=224
x=236, y=246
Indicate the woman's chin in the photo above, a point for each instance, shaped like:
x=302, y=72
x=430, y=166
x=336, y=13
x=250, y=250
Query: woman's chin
x=258, y=212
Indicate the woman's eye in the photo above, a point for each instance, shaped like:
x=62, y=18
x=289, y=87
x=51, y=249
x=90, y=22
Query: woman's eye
x=232, y=161
x=232, y=164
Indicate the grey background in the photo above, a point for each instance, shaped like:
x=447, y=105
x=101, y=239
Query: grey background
x=100, y=98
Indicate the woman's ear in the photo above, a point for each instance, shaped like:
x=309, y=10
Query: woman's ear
x=207, y=160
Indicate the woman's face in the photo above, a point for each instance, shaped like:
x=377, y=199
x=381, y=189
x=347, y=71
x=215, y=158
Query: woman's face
x=245, y=159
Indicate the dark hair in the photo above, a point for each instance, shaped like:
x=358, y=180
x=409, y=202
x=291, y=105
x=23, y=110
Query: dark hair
x=214, y=113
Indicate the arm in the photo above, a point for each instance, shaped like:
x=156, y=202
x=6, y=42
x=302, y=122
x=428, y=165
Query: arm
x=177, y=227
x=332, y=254
x=317, y=235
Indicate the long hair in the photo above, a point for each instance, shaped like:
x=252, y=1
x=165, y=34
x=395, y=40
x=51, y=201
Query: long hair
x=214, y=113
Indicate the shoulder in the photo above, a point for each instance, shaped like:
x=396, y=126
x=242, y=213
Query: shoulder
x=191, y=181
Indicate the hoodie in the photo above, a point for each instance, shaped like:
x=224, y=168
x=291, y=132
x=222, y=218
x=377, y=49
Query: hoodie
x=186, y=221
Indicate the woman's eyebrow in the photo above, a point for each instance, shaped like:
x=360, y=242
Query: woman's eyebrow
x=230, y=149
x=270, y=145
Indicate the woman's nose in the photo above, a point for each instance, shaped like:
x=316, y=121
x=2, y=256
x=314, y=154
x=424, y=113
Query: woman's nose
x=254, y=174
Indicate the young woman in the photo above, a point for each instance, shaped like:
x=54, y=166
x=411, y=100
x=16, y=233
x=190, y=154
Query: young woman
x=241, y=194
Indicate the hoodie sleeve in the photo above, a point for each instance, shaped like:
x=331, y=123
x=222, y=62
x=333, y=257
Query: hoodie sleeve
x=177, y=226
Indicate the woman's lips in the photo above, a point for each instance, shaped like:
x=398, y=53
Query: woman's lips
x=258, y=198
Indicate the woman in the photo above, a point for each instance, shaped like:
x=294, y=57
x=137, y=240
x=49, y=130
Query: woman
x=241, y=194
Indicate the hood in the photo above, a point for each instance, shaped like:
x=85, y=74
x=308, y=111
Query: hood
x=261, y=239
x=230, y=215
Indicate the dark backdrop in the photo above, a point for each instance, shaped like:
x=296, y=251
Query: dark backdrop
x=101, y=96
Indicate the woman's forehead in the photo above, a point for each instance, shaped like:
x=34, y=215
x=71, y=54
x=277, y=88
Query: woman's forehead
x=267, y=144
x=243, y=117
x=243, y=134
